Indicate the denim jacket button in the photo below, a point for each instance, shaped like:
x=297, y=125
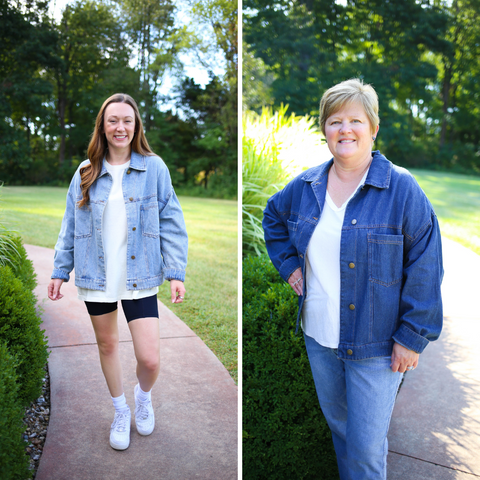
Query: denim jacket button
x=134, y=228
x=351, y=265
x=354, y=221
x=133, y=257
x=350, y=352
x=131, y=199
x=134, y=285
x=128, y=172
x=351, y=306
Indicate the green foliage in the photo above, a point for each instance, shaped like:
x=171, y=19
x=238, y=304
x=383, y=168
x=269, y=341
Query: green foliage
x=272, y=141
x=213, y=160
x=8, y=245
x=22, y=266
x=422, y=57
x=55, y=75
x=13, y=461
x=284, y=432
x=20, y=329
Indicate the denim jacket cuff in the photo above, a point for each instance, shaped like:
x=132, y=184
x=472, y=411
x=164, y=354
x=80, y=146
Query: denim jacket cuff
x=409, y=339
x=62, y=274
x=288, y=267
x=174, y=274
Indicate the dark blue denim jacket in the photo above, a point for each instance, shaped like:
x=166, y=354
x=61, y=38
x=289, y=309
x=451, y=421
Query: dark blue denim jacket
x=390, y=256
x=157, y=241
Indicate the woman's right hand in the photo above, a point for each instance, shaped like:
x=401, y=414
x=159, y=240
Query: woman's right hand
x=54, y=289
x=295, y=280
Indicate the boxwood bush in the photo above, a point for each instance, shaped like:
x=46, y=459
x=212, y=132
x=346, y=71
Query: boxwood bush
x=22, y=267
x=13, y=461
x=285, y=435
x=20, y=330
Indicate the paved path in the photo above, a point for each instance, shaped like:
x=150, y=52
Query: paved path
x=195, y=400
x=435, y=429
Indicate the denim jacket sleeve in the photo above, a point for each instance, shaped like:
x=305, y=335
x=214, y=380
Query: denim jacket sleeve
x=173, y=232
x=282, y=252
x=421, y=312
x=63, y=259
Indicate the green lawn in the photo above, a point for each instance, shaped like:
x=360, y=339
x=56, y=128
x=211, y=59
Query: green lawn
x=210, y=307
x=456, y=200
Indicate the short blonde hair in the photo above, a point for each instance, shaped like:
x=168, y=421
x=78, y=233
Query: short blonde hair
x=340, y=95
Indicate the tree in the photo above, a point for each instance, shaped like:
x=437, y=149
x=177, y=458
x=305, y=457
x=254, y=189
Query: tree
x=149, y=25
x=93, y=65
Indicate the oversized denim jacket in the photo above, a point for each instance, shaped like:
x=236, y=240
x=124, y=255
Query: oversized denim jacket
x=157, y=239
x=390, y=256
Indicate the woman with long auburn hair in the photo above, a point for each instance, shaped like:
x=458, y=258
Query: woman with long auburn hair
x=123, y=231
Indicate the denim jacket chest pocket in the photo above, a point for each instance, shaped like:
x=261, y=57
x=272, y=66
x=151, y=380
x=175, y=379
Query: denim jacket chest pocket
x=83, y=221
x=150, y=220
x=385, y=258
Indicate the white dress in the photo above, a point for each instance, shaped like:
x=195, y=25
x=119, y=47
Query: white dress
x=114, y=234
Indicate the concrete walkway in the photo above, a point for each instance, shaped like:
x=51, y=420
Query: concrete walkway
x=435, y=429
x=195, y=400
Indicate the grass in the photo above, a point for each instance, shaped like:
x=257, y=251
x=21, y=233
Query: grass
x=210, y=307
x=456, y=200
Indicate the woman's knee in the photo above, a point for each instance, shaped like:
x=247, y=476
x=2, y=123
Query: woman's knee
x=150, y=362
x=108, y=345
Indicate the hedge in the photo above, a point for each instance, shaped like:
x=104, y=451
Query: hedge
x=13, y=461
x=284, y=432
x=20, y=329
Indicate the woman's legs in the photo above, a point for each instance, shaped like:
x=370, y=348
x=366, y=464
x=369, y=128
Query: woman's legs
x=357, y=399
x=146, y=343
x=106, y=333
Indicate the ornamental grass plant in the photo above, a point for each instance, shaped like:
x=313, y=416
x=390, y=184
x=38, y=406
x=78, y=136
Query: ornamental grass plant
x=276, y=148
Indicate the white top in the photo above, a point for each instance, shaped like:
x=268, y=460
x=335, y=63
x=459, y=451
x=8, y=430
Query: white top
x=321, y=308
x=114, y=233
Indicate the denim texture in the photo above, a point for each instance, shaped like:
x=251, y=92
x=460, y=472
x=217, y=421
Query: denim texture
x=157, y=241
x=390, y=256
x=357, y=399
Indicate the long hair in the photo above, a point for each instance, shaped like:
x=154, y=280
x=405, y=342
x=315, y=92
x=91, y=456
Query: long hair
x=98, y=146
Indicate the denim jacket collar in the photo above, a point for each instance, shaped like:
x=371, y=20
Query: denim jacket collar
x=137, y=162
x=378, y=176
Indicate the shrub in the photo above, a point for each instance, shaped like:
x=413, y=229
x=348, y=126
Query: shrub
x=284, y=432
x=13, y=461
x=20, y=329
x=22, y=267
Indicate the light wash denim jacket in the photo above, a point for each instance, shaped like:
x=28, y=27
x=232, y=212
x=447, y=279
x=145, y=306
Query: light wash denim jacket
x=390, y=256
x=157, y=239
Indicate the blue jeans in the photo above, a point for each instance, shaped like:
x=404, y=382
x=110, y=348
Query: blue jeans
x=357, y=399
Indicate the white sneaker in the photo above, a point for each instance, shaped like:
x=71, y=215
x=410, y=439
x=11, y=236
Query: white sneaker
x=144, y=416
x=120, y=430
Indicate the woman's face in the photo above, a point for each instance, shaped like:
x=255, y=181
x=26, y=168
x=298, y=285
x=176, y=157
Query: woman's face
x=349, y=134
x=119, y=125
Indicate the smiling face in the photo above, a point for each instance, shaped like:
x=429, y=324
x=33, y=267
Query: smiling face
x=349, y=135
x=119, y=125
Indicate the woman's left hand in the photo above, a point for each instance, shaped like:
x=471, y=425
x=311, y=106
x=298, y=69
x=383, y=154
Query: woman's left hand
x=402, y=358
x=177, y=289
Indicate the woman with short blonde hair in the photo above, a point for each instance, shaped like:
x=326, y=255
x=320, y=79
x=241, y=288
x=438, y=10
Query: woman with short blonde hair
x=358, y=241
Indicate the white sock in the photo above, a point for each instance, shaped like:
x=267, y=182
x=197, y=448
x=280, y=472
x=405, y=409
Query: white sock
x=120, y=403
x=142, y=396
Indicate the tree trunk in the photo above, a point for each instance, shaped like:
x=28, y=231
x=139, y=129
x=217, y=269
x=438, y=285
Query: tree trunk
x=447, y=82
x=62, y=103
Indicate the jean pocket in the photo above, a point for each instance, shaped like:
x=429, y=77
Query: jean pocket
x=385, y=258
x=150, y=220
x=83, y=222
